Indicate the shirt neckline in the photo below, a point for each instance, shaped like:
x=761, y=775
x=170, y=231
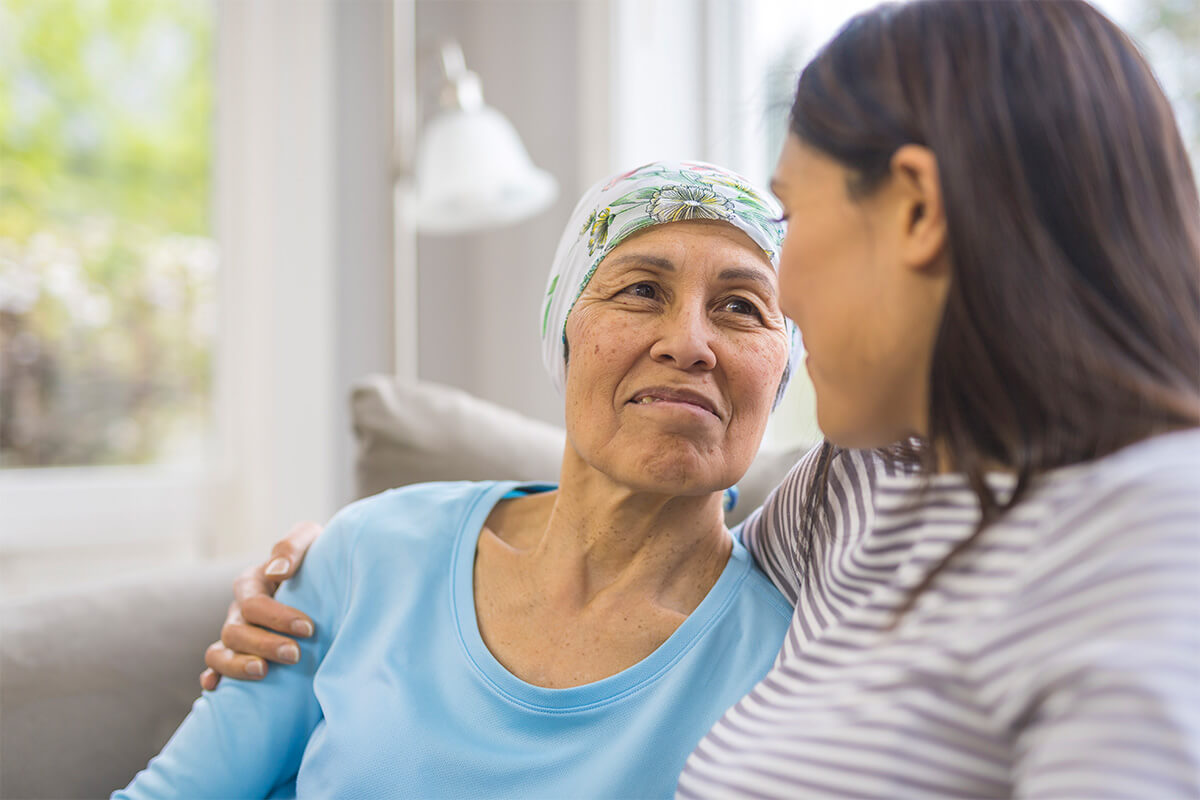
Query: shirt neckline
x=589, y=695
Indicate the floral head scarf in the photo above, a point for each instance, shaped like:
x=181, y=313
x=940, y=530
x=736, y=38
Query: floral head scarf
x=654, y=194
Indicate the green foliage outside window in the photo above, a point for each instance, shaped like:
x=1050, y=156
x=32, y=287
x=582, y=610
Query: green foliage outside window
x=107, y=262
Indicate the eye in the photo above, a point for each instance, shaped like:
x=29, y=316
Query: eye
x=644, y=290
x=740, y=305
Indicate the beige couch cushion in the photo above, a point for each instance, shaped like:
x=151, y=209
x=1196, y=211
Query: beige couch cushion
x=417, y=432
x=93, y=681
x=409, y=432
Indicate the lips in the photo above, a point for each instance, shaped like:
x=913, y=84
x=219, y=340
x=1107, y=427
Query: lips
x=675, y=395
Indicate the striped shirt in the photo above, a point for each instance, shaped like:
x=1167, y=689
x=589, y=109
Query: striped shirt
x=1058, y=656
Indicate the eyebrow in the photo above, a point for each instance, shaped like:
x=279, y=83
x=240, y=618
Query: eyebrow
x=752, y=275
x=730, y=274
x=639, y=258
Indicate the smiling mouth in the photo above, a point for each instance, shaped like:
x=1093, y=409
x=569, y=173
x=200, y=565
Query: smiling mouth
x=674, y=397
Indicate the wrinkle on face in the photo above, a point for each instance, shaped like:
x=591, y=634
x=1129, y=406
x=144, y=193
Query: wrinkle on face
x=695, y=334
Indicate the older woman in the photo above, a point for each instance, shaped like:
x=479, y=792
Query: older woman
x=523, y=640
x=994, y=248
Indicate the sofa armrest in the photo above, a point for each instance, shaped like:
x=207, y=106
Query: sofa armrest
x=94, y=681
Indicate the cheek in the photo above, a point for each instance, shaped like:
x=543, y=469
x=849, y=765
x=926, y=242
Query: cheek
x=600, y=352
x=809, y=266
x=756, y=375
x=826, y=285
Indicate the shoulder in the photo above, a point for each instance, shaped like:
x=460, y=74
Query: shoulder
x=848, y=473
x=764, y=608
x=832, y=484
x=407, y=515
x=1122, y=527
x=745, y=622
x=425, y=496
x=407, y=528
x=1108, y=602
x=753, y=596
x=1130, y=496
x=441, y=497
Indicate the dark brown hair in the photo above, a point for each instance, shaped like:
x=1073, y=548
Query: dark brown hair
x=1072, y=323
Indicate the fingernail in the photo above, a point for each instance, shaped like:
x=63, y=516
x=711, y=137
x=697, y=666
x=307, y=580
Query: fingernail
x=255, y=668
x=302, y=627
x=288, y=653
x=277, y=567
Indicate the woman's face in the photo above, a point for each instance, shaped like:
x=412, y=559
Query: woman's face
x=860, y=278
x=675, y=351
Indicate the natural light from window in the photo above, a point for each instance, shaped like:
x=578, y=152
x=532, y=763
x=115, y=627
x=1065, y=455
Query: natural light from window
x=107, y=257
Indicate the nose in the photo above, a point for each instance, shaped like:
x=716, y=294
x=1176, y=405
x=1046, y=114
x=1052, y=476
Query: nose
x=685, y=340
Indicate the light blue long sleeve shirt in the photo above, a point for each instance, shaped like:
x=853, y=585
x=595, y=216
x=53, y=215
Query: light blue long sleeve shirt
x=396, y=694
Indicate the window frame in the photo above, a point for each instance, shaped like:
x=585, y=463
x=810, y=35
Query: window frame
x=281, y=448
x=55, y=508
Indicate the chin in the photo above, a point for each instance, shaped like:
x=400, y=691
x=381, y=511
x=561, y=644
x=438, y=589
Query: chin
x=678, y=470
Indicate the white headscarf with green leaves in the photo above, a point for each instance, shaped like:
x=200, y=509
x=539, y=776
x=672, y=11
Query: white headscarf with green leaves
x=655, y=194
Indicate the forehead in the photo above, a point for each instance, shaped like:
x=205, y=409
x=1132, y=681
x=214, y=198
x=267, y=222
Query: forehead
x=678, y=245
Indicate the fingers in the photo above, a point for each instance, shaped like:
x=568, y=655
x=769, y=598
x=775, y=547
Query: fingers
x=209, y=680
x=269, y=613
x=247, y=640
x=220, y=658
x=288, y=553
x=286, y=556
x=251, y=583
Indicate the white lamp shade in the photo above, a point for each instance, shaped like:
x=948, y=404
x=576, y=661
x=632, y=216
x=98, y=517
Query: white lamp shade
x=473, y=173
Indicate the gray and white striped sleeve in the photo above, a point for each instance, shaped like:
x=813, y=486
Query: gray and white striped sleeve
x=773, y=533
x=1111, y=706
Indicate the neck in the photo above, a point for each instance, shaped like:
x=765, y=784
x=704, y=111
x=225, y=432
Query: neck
x=600, y=537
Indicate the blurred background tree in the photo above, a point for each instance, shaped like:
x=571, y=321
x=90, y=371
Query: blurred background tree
x=107, y=262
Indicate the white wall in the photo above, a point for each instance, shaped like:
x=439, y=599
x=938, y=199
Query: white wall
x=479, y=294
x=362, y=209
x=304, y=188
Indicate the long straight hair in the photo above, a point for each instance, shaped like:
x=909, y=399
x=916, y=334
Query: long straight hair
x=1072, y=323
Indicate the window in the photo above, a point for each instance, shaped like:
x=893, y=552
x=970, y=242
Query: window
x=107, y=260
x=108, y=284
x=190, y=409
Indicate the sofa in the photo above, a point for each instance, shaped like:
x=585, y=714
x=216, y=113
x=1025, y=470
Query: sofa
x=94, y=680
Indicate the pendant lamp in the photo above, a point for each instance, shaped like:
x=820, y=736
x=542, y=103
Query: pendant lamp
x=472, y=171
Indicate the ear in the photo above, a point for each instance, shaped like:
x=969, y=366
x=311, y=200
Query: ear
x=923, y=220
